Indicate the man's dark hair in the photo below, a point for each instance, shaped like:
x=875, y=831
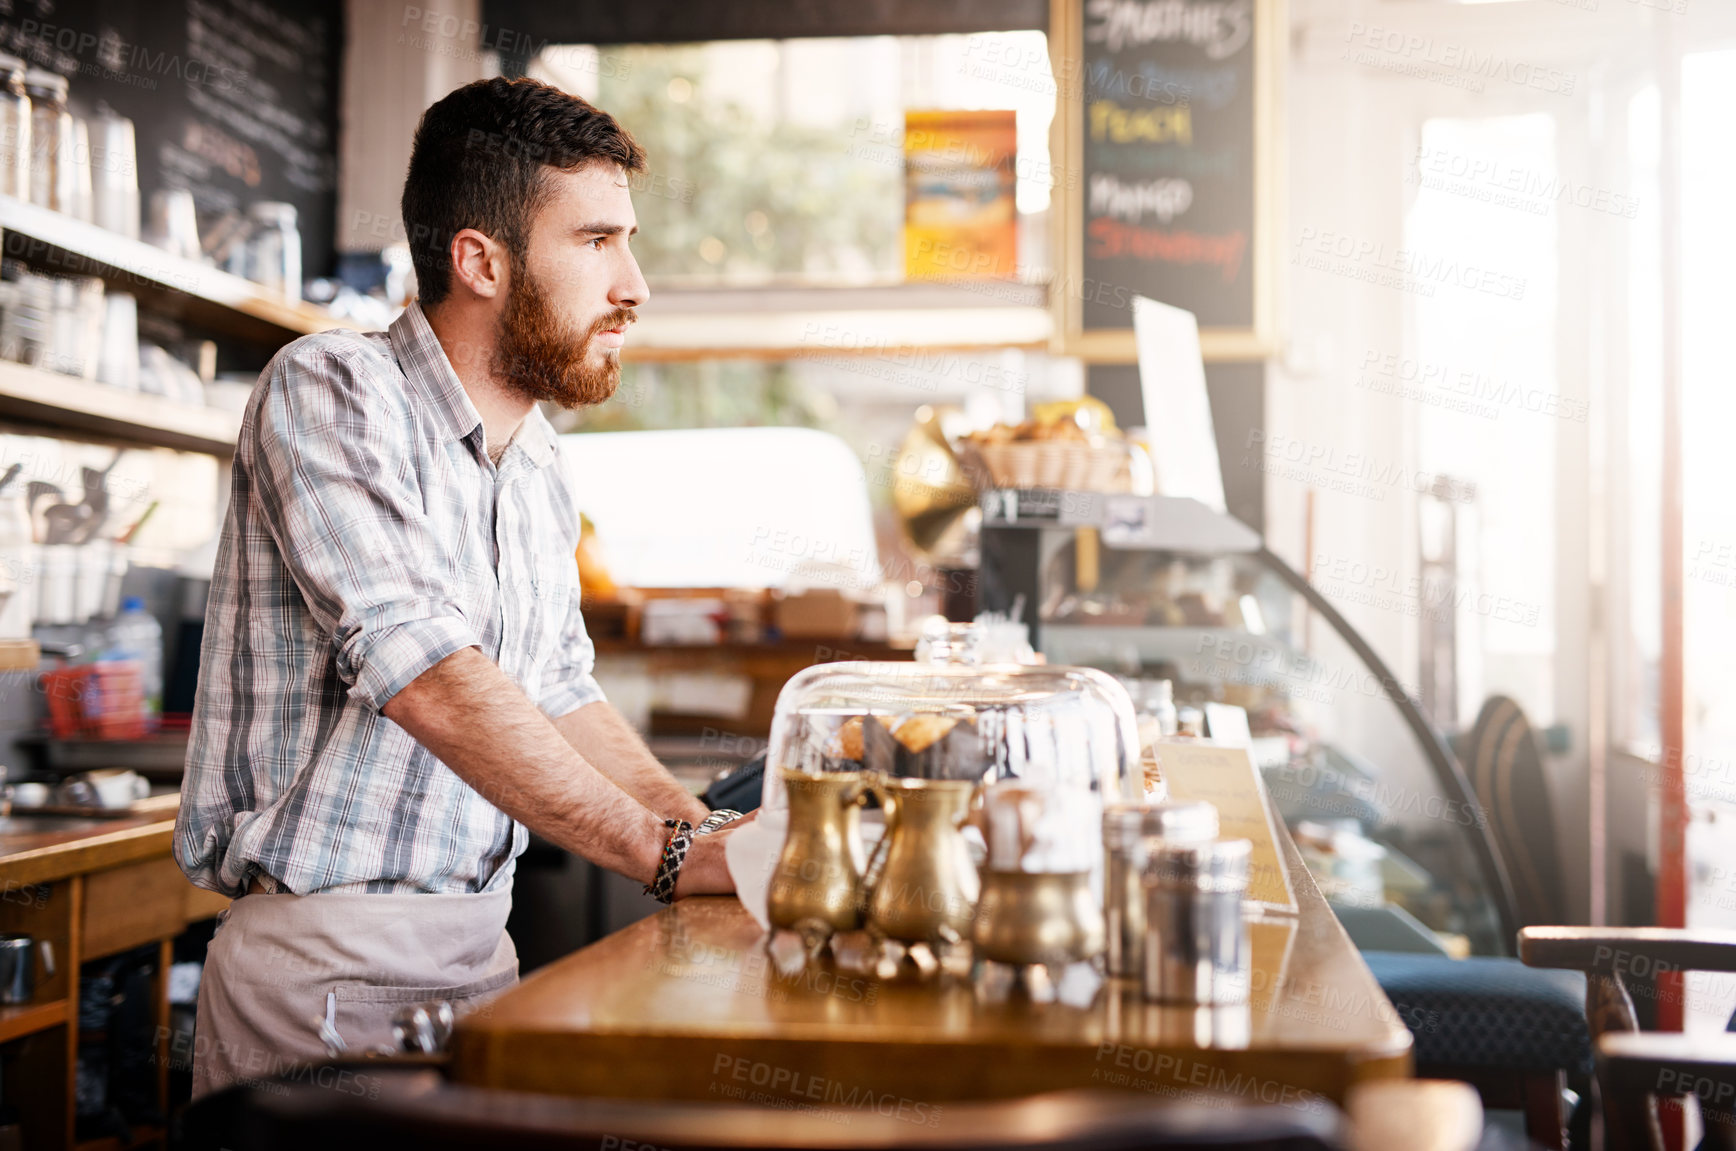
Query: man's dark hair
x=480, y=160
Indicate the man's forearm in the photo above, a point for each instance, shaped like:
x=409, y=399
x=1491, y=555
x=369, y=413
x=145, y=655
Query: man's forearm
x=608, y=742
x=477, y=722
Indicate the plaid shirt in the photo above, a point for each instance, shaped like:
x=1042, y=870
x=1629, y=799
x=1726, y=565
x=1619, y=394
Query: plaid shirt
x=368, y=537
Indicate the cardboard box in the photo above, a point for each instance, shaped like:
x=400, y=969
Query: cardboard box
x=824, y=613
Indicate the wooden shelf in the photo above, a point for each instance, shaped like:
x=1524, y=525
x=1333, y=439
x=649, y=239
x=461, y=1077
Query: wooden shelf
x=29, y=1018
x=184, y=289
x=63, y=403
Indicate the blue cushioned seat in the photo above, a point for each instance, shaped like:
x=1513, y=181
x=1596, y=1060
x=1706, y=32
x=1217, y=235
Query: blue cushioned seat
x=1487, y=1013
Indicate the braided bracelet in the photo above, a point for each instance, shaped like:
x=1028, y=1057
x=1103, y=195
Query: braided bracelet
x=716, y=820
x=662, y=885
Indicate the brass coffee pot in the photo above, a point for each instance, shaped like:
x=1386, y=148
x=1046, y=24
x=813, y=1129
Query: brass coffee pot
x=926, y=890
x=816, y=888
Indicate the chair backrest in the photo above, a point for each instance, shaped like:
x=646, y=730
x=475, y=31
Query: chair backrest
x=418, y=1109
x=1502, y=758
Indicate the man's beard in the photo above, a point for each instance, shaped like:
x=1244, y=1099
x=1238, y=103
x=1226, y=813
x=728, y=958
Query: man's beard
x=541, y=357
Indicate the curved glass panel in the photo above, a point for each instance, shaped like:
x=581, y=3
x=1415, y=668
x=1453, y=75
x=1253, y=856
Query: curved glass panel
x=1392, y=848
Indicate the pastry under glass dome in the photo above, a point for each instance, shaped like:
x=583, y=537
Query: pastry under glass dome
x=1047, y=727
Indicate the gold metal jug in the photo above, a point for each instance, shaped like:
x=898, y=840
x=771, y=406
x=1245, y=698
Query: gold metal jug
x=1037, y=917
x=926, y=891
x=818, y=881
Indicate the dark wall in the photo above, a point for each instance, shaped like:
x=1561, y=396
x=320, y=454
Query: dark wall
x=521, y=28
x=235, y=99
x=1238, y=399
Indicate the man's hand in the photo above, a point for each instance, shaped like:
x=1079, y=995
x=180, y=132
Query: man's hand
x=705, y=872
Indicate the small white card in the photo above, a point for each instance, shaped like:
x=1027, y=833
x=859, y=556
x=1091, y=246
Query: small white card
x=1178, y=410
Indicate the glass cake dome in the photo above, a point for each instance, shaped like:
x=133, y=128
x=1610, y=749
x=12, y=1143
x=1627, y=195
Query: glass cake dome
x=1059, y=730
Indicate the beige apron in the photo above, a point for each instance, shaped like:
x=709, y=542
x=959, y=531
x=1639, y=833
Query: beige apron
x=286, y=973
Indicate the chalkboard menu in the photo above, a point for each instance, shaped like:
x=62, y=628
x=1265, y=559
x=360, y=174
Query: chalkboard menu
x=1170, y=144
x=233, y=99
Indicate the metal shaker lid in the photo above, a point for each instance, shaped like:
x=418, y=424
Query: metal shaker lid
x=1178, y=821
x=1218, y=866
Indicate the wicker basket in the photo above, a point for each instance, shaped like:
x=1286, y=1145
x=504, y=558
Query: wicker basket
x=1105, y=468
x=1068, y=465
x=1021, y=466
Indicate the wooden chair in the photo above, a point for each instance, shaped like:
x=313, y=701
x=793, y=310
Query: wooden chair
x=1504, y=761
x=1518, y=1035
x=1635, y=1066
x=1634, y=1069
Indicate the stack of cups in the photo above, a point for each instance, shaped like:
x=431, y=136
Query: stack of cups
x=114, y=174
x=118, y=359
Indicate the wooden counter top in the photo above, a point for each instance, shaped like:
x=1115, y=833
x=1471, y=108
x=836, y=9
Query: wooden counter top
x=684, y=1005
x=40, y=849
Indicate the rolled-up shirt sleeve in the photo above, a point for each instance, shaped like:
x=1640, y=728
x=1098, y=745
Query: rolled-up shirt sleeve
x=328, y=457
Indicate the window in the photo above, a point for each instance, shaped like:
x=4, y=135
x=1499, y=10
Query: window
x=1485, y=300
x=1636, y=717
x=1708, y=413
x=783, y=160
x=748, y=525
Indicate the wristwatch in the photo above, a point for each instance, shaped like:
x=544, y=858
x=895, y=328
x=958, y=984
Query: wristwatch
x=716, y=820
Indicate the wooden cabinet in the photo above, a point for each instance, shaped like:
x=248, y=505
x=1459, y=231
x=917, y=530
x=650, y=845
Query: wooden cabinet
x=85, y=895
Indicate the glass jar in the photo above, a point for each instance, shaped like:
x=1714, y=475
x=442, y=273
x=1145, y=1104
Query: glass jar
x=53, y=142
x=14, y=129
x=274, y=248
x=1158, y=701
x=81, y=201
x=945, y=642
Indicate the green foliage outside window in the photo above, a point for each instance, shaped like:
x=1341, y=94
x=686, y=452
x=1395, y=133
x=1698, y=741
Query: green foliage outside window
x=730, y=197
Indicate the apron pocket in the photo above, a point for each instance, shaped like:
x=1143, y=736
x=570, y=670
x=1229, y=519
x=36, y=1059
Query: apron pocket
x=363, y=1012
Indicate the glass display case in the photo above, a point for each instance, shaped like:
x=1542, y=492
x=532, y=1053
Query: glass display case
x=1190, y=610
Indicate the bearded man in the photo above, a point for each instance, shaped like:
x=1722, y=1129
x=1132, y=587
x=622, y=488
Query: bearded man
x=395, y=681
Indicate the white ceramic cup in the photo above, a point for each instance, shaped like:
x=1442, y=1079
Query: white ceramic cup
x=31, y=794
